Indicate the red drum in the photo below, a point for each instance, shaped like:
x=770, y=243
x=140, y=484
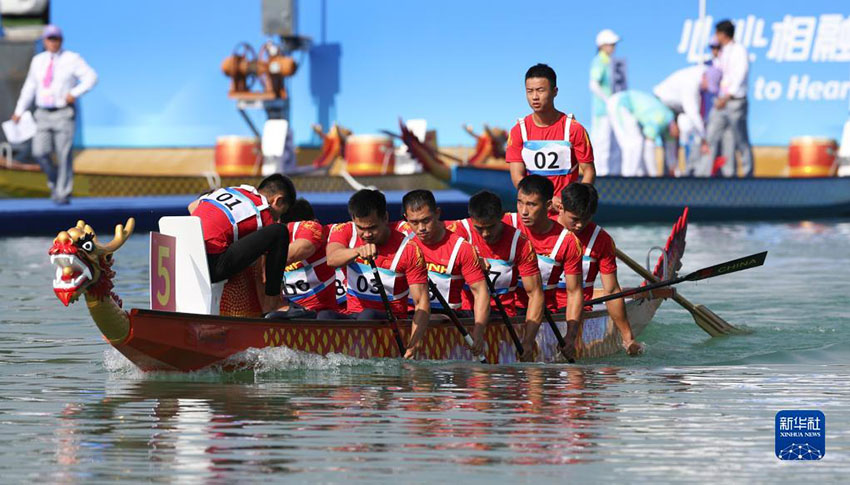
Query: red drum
x=809, y=156
x=237, y=155
x=369, y=155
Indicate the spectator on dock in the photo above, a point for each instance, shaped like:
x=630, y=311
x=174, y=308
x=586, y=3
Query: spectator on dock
x=605, y=149
x=639, y=119
x=682, y=92
x=730, y=108
x=56, y=79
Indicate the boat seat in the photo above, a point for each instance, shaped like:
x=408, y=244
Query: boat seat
x=277, y=147
x=194, y=293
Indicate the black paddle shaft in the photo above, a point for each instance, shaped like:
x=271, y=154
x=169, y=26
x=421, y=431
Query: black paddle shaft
x=561, y=342
x=453, y=317
x=505, y=319
x=740, y=264
x=390, y=315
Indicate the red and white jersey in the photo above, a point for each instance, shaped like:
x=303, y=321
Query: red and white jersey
x=230, y=213
x=510, y=259
x=339, y=273
x=451, y=262
x=400, y=264
x=558, y=253
x=598, y=257
x=310, y=282
x=527, y=144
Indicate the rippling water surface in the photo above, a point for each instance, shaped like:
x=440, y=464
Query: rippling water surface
x=691, y=408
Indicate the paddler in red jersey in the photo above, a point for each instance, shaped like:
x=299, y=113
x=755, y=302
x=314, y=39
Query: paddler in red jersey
x=309, y=283
x=558, y=251
x=578, y=205
x=542, y=144
x=400, y=265
x=240, y=224
x=508, y=257
x=451, y=262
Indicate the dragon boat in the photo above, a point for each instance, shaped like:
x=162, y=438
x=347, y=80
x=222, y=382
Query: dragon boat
x=323, y=174
x=189, y=328
x=656, y=199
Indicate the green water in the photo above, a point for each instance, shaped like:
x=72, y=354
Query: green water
x=692, y=408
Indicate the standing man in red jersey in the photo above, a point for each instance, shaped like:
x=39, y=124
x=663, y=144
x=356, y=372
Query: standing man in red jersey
x=508, y=256
x=548, y=142
x=309, y=283
x=240, y=224
x=558, y=251
x=578, y=205
x=400, y=265
x=450, y=259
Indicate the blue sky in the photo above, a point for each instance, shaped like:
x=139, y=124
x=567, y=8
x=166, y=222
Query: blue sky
x=451, y=62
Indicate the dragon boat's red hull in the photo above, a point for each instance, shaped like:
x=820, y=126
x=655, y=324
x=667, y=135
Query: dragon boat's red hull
x=167, y=341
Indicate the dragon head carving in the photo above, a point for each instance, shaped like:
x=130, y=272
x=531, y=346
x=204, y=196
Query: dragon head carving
x=84, y=265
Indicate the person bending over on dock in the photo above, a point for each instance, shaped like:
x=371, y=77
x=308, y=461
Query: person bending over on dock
x=578, y=205
x=558, y=252
x=508, y=256
x=638, y=119
x=400, y=264
x=451, y=261
x=548, y=142
x=240, y=225
x=309, y=283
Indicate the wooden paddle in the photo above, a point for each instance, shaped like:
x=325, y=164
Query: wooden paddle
x=505, y=319
x=703, y=317
x=740, y=264
x=390, y=315
x=561, y=342
x=453, y=317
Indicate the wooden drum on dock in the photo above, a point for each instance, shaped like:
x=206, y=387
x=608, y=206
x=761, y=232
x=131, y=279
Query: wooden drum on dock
x=237, y=155
x=810, y=156
x=369, y=155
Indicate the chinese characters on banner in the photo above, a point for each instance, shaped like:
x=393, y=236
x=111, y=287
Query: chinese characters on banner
x=813, y=39
x=823, y=38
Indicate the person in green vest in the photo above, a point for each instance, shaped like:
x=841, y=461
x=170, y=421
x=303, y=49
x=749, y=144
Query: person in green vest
x=605, y=148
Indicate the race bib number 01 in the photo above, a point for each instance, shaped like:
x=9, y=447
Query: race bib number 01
x=162, y=275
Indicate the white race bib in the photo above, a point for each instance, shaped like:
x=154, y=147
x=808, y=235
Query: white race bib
x=236, y=206
x=547, y=157
x=360, y=280
x=362, y=284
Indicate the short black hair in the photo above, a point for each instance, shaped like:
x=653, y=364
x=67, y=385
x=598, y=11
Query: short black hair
x=418, y=198
x=727, y=27
x=485, y=206
x=580, y=199
x=364, y=202
x=277, y=183
x=542, y=70
x=301, y=210
x=537, y=184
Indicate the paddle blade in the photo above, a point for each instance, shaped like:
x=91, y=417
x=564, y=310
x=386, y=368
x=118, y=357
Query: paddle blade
x=740, y=264
x=705, y=317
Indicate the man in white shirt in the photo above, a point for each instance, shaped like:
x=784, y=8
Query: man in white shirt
x=730, y=107
x=682, y=93
x=56, y=78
